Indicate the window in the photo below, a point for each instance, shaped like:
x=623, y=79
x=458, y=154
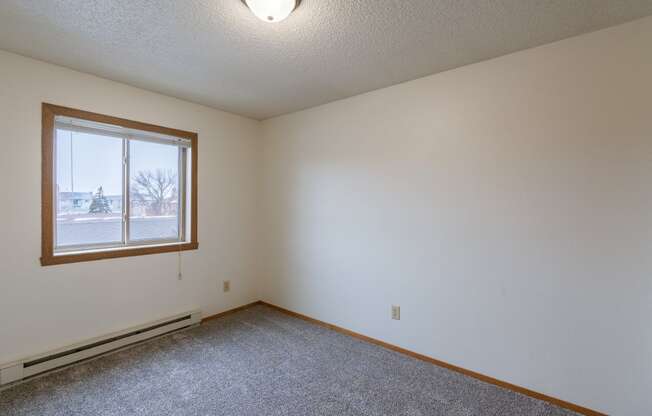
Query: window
x=115, y=188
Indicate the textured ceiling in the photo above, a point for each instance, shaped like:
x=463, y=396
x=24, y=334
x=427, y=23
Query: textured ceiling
x=215, y=52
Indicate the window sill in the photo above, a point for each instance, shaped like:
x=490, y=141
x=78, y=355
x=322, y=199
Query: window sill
x=82, y=256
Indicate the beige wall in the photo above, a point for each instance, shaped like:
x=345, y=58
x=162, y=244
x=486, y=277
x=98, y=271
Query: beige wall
x=44, y=308
x=506, y=206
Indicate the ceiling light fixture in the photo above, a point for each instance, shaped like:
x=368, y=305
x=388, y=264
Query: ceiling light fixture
x=272, y=11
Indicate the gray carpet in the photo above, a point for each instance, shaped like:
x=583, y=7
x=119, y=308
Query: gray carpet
x=261, y=362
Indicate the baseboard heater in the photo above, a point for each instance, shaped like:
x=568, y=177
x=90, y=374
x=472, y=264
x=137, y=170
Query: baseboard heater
x=31, y=366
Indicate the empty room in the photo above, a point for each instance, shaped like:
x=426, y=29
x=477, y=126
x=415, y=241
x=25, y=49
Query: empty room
x=326, y=207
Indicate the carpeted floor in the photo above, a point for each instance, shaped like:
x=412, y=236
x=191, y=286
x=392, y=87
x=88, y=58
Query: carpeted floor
x=261, y=362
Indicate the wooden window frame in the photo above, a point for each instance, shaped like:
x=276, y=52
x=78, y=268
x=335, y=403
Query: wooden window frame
x=48, y=256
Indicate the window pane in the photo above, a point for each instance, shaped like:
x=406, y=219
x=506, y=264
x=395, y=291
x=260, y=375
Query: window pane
x=88, y=189
x=154, y=191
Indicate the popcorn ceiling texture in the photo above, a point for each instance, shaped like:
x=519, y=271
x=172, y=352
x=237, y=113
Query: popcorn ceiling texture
x=215, y=52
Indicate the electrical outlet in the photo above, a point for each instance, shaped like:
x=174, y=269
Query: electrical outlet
x=226, y=285
x=396, y=312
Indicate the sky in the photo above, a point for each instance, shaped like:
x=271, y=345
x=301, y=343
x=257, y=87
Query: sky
x=97, y=161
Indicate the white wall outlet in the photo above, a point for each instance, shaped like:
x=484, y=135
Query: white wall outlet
x=226, y=285
x=396, y=312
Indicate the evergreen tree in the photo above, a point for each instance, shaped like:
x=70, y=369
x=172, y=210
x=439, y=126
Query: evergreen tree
x=99, y=205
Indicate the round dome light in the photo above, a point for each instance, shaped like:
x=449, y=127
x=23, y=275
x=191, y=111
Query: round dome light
x=272, y=11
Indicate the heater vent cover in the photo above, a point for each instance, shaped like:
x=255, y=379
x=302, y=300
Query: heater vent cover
x=31, y=366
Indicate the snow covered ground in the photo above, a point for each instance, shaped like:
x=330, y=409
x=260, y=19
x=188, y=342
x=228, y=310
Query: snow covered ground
x=106, y=228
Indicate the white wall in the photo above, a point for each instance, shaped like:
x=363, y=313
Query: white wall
x=506, y=206
x=48, y=307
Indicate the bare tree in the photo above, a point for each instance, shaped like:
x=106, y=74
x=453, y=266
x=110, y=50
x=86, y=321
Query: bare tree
x=156, y=191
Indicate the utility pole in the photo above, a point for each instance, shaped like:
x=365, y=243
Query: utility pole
x=72, y=180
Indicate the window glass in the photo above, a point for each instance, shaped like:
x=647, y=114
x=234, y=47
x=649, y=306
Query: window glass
x=114, y=187
x=154, y=191
x=88, y=189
